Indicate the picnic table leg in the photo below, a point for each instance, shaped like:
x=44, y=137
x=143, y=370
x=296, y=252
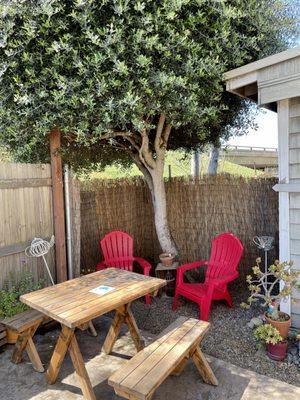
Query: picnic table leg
x=82, y=374
x=203, y=367
x=133, y=329
x=59, y=353
x=123, y=315
x=25, y=342
x=34, y=356
x=114, y=330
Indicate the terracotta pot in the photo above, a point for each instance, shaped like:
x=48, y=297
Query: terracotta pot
x=283, y=327
x=11, y=336
x=166, y=259
x=277, y=351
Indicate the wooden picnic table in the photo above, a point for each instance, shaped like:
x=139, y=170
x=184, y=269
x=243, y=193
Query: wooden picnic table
x=74, y=305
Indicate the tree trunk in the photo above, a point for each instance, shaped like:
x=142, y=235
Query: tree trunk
x=213, y=162
x=159, y=201
x=195, y=164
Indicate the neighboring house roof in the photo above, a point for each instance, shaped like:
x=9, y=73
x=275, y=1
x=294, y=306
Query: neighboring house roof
x=268, y=80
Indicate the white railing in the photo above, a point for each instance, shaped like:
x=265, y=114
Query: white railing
x=250, y=148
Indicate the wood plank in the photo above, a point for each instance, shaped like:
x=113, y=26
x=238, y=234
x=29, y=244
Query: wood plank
x=22, y=342
x=116, y=379
x=23, y=321
x=58, y=205
x=160, y=364
x=180, y=367
x=114, y=330
x=79, y=366
x=133, y=329
x=34, y=356
x=72, y=304
x=150, y=356
x=59, y=353
x=204, y=368
x=95, y=311
x=24, y=183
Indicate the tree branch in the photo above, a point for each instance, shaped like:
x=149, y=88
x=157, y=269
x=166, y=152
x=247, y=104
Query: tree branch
x=159, y=131
x=145, y=153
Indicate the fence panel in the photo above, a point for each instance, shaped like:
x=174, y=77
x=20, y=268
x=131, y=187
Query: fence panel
x=197, y=211
x=25, y=213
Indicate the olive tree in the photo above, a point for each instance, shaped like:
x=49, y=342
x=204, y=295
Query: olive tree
x=127, y=79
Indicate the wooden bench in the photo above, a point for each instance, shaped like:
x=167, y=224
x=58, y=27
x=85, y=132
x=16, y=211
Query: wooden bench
x=25, y=324
x=140, y=377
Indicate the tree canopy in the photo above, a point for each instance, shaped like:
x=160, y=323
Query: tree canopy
x=100, y=69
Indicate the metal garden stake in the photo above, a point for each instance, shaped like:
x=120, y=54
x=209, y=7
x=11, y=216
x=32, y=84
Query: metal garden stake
x=264, y=243
x=39, y=248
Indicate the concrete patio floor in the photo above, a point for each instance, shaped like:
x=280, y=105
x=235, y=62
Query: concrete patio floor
x=21, y=382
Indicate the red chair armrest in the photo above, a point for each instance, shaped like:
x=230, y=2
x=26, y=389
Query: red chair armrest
x=224, y=280
x=101, y=265
x=192, y=265
x=181, y=270
x=146, y=266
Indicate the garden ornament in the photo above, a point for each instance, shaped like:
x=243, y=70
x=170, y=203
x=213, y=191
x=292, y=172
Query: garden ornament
x=264, y=243
x=39, y=248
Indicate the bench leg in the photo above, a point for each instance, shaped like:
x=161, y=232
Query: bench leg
x=22, y=344
x=180, y=367
x=79, y=366
x=203, y=367
x=123, y=315
x=59, y=353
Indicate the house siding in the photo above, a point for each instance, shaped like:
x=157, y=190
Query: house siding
x=294, y=200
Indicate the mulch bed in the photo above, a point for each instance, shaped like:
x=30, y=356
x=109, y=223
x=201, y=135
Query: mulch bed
x=229, y=339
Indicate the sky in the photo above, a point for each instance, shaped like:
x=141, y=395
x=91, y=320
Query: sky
x=264, y=136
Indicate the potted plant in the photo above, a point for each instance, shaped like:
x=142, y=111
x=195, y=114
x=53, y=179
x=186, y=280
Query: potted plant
x=167, y=259
x=265, y=286
x=10, y=304
x=276, y=345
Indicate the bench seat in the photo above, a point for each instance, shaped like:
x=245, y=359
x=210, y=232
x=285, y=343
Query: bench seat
x=22, y=321
x=25, y=324
x=140, y=377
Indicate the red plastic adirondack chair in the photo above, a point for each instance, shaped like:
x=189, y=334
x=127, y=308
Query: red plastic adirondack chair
x=117, y=249
x=222, y=266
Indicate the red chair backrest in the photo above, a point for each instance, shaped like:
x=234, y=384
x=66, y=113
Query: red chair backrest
x=225, y=256
x=117, y=249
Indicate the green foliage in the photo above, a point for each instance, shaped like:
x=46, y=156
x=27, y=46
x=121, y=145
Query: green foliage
x=268, y=334
x=95, y=68
x=9, y=296
x=259, y=289
x=180, y=166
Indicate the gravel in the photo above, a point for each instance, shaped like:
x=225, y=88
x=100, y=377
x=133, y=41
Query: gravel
x=229, y=338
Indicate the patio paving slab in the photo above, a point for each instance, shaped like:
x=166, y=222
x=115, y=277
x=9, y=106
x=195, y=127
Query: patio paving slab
x=21, y=382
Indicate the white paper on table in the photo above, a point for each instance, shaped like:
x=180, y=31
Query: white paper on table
x=100, y=290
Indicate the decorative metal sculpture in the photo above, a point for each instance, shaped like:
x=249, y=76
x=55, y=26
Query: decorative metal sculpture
x=39, y=248
x=264, y=243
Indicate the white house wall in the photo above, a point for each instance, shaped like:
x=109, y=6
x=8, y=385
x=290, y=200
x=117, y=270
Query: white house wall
x=294, y=198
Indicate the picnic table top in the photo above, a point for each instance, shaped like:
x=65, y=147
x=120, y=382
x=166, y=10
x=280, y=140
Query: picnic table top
x=72, y=303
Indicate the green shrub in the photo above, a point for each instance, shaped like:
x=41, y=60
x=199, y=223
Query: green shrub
x=10, y=294
x=268, y=334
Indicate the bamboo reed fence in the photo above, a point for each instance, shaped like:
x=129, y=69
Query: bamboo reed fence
x=198, y=210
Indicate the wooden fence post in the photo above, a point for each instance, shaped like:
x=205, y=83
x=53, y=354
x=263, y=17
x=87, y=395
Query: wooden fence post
x=75, y=225
x=58, y=206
